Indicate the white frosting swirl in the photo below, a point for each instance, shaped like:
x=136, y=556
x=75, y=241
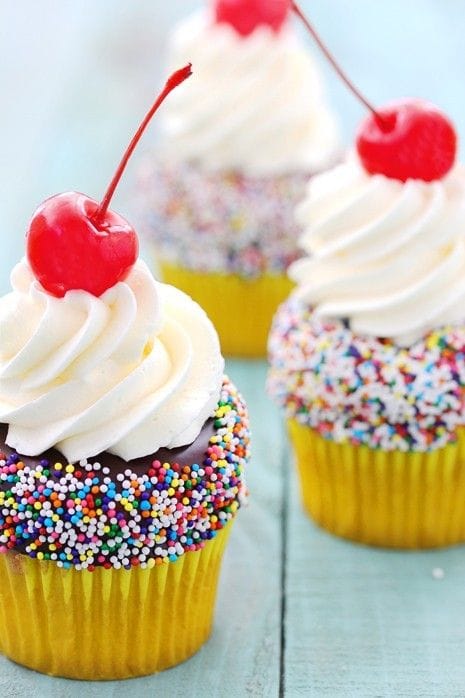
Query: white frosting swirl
x=130, y=372
x=389, y=256
x=253, y=103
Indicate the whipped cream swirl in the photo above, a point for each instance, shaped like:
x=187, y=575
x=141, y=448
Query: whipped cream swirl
x=254, y=103
x=386, y=255
x=137, y=369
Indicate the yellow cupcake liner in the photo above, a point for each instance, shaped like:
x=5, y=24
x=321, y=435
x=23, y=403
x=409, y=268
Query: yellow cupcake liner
x=241, y=309
x=390, y=499
x=107, y=624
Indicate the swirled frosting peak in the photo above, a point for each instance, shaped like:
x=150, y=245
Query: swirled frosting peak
x=254, y=102
x=129, y=372
x=387, y=256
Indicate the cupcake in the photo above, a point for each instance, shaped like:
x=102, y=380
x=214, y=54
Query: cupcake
x=368, y=353
x=122, y=448
x=239, y=144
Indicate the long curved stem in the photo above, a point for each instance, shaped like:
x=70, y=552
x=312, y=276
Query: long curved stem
x=334, y=63
x=173, y=81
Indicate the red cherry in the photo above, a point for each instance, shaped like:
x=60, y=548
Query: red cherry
x=247, y=15
x=74, y=242
x=66, y=250
x=410, y=139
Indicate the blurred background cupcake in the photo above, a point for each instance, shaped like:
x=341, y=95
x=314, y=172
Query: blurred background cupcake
x=368, y=354
x=239, y=144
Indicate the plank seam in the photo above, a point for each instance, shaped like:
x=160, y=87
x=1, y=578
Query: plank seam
x=283, y=559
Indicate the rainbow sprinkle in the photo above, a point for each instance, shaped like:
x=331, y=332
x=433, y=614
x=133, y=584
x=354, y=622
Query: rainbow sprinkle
x=246, y=223
x=79, y=516
x=365, y=390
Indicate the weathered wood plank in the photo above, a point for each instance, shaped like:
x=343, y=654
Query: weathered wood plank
x=367, y=622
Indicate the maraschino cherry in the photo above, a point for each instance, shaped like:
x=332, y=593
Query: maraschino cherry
x=74, y=242
x=246, y=15
x=409, y=139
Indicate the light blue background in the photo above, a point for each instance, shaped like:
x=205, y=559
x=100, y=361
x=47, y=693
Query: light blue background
x=77, y=75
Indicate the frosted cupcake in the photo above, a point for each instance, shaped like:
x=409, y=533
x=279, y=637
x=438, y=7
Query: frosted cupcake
x=368, y=354
x=240, y=143
x=122, y=448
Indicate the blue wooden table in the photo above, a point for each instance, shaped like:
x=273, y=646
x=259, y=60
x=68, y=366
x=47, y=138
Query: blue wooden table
x=299, y=613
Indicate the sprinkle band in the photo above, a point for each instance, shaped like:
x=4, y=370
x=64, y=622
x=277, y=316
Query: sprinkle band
x=365, y=390
x=79, y=516
x=245, y=223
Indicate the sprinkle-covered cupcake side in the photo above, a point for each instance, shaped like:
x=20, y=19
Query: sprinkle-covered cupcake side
x=84, y=516
x=246, y=223
x=363, y=390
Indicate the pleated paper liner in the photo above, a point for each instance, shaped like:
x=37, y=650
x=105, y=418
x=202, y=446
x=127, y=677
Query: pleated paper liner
x=390, y=499
x=107, y=624
x=241, y=309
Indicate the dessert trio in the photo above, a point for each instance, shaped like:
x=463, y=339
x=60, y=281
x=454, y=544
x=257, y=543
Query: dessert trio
x=123, y=444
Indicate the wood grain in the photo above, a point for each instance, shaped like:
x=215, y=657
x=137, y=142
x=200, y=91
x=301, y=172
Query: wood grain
x=366, y=622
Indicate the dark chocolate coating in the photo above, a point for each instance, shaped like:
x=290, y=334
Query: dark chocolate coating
x=183, y=455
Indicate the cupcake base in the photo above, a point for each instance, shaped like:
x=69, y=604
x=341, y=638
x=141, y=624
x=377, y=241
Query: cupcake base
x=241, y=309
x=391, y=499
x=107, y=624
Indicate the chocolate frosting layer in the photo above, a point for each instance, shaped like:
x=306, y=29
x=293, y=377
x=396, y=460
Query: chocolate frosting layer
x=183, y=455
x=105, y=511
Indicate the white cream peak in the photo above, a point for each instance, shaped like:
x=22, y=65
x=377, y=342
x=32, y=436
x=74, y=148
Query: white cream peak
x=388, y=256
x=129, y=372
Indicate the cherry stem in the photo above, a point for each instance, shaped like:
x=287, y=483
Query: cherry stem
x=336, y=66
x=173, y=81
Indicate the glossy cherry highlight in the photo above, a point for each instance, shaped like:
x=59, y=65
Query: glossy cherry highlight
x=246, y=15
x=414, y=141
x=75, y=243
